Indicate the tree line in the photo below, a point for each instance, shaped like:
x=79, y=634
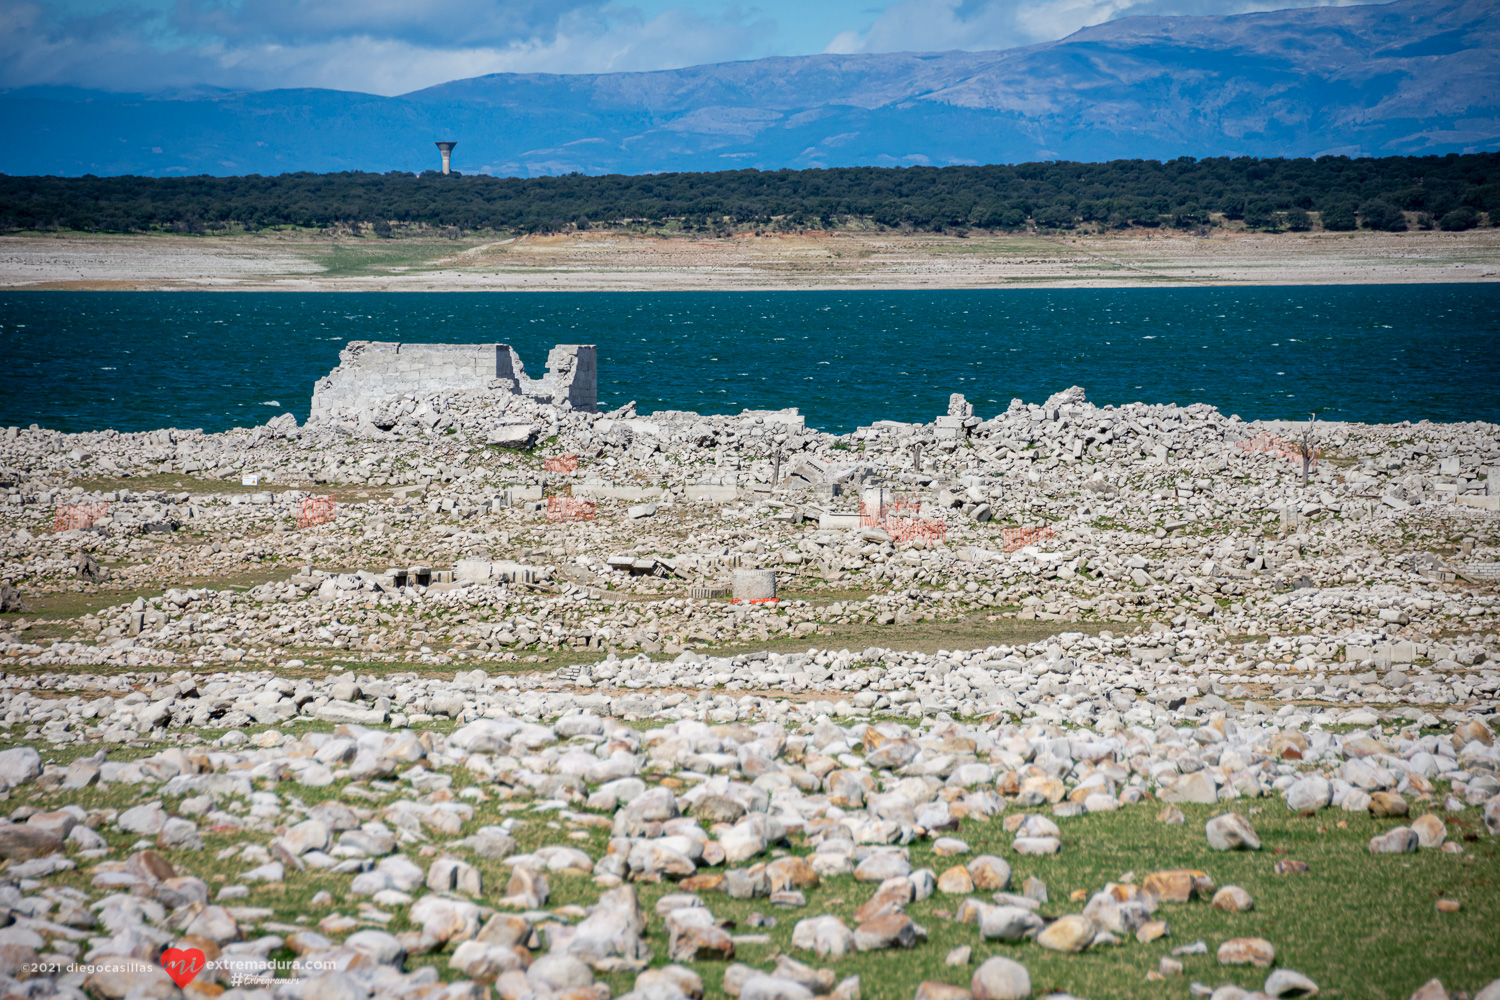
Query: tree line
x=1393, y=193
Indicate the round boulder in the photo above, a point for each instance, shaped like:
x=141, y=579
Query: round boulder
x=1000, y=979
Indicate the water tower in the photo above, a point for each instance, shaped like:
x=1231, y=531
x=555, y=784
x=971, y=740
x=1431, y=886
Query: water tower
x=447, y=150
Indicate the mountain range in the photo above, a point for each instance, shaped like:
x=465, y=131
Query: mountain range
x=1410, y=77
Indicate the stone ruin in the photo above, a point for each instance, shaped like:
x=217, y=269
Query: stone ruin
x=378, y=381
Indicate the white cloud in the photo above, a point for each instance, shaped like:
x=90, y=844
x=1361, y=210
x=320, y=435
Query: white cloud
x=253, y=47
x=942, y=25
x=396, y=46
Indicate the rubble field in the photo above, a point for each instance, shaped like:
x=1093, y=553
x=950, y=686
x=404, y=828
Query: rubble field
x=472, y=695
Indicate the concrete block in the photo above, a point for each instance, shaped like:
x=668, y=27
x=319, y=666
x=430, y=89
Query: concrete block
x=787, y=420
x=505, y=571
x=754, y=584
x=472, y=570
x=1396, y=652
x=513, y=435
x=838, y=522
x=1491, y=502
x=706, y=491
x=950, y=429
x=705, y=593
x=641, y=510
x=608, y=491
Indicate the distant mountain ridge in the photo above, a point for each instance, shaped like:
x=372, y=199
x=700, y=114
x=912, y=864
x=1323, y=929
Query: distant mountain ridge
x=1410, y=77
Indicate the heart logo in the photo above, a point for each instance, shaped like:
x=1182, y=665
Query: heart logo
x=182, y=964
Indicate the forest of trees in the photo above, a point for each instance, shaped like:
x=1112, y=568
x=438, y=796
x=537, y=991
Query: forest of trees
x=1336, y=193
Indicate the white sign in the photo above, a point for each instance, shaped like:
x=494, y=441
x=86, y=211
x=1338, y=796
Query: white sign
x=250, y=480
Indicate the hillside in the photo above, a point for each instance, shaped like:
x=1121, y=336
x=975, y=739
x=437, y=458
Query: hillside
x=1411, y=77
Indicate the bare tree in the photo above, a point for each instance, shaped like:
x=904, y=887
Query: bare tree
x=1307, y=445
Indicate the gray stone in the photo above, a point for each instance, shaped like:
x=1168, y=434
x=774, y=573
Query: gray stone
x=1309, y=793
x=483, y=962
x=309, y=835
x=382, y=947
x=763, y=987
x=559, y=972
x=1000, y=978
x=1398, y=840
x=826, y=936
x=18, y=766
x=1231, y=832
x=1289, y=983
x=116, y=977
x=1195, y=787
x=882, y=865
x=147, y=819
x=1008, y=923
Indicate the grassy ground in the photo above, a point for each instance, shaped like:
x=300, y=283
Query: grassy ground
x=973, y=632
x=1362, y=926
x=365, y=256
x=51, y=615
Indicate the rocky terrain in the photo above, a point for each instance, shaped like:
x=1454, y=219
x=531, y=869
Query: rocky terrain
x=1065, y=700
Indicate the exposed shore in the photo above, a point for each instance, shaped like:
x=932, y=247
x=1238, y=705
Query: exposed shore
x=608, y=261
x=1001, y=694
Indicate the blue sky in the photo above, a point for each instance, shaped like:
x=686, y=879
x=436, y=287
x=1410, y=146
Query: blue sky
x=395, y=46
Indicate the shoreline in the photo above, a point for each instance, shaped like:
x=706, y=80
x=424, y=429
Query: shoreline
x=610, y=261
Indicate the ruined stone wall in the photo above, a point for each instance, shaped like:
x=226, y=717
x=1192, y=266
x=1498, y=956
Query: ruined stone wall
x=371, y=374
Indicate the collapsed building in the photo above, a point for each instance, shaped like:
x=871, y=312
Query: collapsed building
x=383, y=386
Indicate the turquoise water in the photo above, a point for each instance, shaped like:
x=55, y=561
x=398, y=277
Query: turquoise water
x=142, y=360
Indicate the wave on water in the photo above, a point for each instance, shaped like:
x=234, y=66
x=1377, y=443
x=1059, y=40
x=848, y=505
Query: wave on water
x=844, y=358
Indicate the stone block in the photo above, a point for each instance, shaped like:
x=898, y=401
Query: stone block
x=708, y=491
x=705, y=593
x=472, y=571
x=754, y=584
x=512, y=435
x=608, y=491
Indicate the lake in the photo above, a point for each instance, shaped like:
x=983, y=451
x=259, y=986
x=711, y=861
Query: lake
x=142, y=360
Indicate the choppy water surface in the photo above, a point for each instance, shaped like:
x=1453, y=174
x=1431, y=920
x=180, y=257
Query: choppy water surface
x=142, y=360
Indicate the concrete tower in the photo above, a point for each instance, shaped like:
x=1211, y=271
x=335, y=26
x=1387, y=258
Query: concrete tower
x=447, y=150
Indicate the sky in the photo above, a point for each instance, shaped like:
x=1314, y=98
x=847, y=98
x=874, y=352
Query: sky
x=396, y=46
